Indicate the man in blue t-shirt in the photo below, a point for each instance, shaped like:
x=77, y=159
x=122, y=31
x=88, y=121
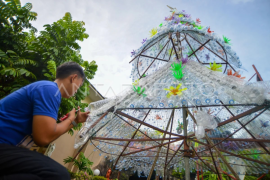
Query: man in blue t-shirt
x=29, y=116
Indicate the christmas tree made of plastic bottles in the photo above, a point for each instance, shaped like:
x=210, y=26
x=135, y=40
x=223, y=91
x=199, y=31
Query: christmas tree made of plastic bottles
x=188, y=105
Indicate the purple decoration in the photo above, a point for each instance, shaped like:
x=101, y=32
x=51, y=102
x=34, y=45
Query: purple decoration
x=184, y=60
x=183, y=11
x=207, y=56
x=230, y=145
x=133, y=53
x=144, y=40
x=166, y=19
x=264, y=124
x=187, y=15
x=131, y=144
x=173, y=17
x=177, y=21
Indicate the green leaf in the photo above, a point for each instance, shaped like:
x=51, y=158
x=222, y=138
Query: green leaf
x=55, y=51
x=11, y=52
x=3, y=54
x=71, y=132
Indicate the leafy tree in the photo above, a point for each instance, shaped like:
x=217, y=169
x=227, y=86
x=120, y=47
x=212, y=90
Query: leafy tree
x=14, y=18
x=212, y=176
x=26, y=57
x=82, y=163
x=178, y=174
x=99, y=178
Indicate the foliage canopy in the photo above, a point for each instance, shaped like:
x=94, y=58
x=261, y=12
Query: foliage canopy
x=27, y=56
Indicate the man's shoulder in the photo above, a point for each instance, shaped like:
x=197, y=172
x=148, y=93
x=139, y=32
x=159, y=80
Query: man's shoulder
x=43, y=83
x=44, y=87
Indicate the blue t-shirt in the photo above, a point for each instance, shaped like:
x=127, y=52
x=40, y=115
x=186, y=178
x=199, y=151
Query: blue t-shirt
x=18, y=108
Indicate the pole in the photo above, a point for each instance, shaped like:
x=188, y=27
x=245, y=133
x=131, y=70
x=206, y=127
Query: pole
x=186, y=147
x=164, y=135
x=198, y=171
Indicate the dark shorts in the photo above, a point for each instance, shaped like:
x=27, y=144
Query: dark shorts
x=23, y=164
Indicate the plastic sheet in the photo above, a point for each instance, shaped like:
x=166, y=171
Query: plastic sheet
x=204, y=121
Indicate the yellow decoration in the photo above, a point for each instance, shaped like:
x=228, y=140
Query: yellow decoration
x=215, y=67
x=175, y=91
x=181, y=15
x=136, y=82
x=153, y=32
x=171, y=52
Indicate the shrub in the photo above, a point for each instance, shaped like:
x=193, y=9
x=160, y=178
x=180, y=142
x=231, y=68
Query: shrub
x=80, y=175
x=99, y=178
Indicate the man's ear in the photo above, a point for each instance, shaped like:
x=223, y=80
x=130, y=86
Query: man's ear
x=73, y=77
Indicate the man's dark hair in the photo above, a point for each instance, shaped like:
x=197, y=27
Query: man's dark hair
x=69, y=68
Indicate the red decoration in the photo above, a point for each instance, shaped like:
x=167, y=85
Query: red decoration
x=108, y=174
x=201, y=48
x=236, y=74
x=209, y=31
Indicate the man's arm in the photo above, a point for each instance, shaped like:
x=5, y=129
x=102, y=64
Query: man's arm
x=46, y=130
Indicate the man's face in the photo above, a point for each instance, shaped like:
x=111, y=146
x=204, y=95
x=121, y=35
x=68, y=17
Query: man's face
x=75, y=82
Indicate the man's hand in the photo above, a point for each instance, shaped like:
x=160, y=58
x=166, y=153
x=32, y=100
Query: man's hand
x=71, y=115
x=46, y=130
x=81, y=116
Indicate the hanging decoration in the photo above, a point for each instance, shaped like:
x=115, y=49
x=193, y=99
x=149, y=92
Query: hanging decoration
x=215, y=67
x=175, y=91
x=139, y=91
x=236, y=74
x=153, y=32
x=226, y=40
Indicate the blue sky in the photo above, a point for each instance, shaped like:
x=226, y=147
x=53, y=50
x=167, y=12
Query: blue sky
x=116, y=27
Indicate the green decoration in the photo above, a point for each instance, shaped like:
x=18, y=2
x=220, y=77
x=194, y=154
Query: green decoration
x=226, y=40
x=177, y=66
x=180, y=127
x=199, y=27
x=255, y=153
x=160, y=25
x=139, y=90
x=178, y=75
x=177, y=69
x=190, y=52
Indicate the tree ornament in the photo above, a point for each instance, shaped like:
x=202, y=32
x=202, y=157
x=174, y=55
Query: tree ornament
x=175, y=91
